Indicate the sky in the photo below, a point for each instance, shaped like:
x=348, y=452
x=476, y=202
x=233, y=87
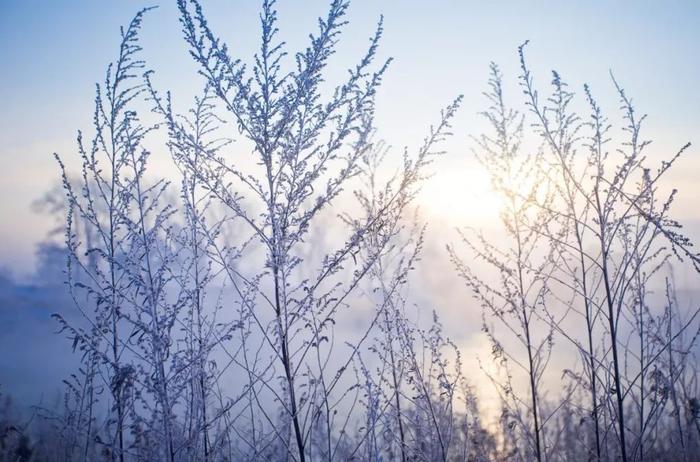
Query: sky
x=53, y=53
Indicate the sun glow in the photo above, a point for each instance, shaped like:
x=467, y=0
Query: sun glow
x=462, y=196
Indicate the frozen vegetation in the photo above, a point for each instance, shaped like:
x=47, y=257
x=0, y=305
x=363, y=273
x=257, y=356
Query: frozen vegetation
x=255, y=306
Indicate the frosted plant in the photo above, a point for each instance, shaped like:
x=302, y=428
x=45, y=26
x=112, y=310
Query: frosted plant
x=99, y=202
x=520, y=263
x=624, y=216
x=411, y=395
x=256, y=308
x=307, y=148
x=593, y=233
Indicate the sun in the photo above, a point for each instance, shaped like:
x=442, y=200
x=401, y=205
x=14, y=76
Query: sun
x=461, y=195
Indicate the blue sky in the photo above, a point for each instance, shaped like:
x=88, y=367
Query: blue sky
x=54, y=52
